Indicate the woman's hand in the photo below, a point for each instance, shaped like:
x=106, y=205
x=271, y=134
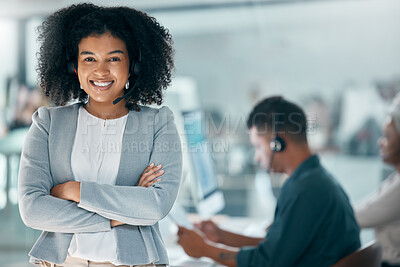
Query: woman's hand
x=69, y=191
x=116, y=223
x=150, y=175
x=148, y=178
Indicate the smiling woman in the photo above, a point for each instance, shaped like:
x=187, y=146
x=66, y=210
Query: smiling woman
x=148, y=47
x=103, y=71
x=83, y=180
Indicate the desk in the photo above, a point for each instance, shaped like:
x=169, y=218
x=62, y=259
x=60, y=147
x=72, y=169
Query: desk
x=178, y=258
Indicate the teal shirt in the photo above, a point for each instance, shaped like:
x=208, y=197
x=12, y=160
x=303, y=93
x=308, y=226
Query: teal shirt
x=314, y=223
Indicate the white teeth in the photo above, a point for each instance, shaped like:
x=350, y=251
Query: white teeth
x=102, y=84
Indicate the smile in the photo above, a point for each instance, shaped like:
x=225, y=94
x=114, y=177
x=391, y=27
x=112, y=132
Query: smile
x=102, y=85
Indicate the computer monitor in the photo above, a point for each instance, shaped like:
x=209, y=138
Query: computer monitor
x=205, y=189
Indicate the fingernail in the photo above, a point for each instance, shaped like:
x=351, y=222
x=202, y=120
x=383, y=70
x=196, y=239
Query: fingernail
x=159, y=166
x=152, y=164
x=162, y=171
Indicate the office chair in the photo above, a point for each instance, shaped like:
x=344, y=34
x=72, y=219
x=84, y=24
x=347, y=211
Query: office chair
x=366, y=256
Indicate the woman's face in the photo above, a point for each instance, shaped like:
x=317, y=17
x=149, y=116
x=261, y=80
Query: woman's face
x=103, y=67
x=390, y=143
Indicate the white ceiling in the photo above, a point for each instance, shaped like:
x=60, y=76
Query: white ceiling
x=29, y=8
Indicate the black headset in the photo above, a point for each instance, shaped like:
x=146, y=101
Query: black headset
x=134, y=69
x=71, y=66
x=277, y=144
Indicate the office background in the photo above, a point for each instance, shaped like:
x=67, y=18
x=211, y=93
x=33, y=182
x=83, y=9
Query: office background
x=339, y=59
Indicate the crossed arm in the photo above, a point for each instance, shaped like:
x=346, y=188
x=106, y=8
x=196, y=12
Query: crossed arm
x=98, y=204
x=71, y=190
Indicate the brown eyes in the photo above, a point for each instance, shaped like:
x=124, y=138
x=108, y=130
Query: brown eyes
x=113, y=59
x=89, y=59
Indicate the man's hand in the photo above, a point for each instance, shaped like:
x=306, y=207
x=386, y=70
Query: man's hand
x=69, y=191
x=195, y=244
x=192, y=241
x=211, y=230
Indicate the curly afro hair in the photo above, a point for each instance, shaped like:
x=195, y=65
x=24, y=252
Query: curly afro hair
x=146, y=40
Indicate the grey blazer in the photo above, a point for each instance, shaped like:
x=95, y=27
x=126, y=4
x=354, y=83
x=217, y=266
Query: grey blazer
x=150, y=136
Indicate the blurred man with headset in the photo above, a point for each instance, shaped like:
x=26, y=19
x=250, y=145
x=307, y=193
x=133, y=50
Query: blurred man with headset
x=314, y=223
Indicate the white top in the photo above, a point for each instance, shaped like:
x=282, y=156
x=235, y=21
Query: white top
x=381, y=211
x=95, y=157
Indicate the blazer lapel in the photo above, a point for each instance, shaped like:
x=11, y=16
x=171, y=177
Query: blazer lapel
x=134, y=150
x=61, y=142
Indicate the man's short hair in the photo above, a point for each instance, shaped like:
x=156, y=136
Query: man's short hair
x=277, y=115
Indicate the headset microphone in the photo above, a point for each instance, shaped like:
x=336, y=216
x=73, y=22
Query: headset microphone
x=135, y=70
x=269, y=168
x=277, y=144
x=130, y=91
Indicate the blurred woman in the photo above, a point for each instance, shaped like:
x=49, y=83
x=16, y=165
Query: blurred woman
x=381, y=210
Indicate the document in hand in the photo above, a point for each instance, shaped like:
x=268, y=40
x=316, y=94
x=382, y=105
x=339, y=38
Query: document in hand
x=179, y=216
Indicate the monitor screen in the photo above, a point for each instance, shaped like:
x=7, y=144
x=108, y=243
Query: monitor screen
x=204, y=169
x=209, y=197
